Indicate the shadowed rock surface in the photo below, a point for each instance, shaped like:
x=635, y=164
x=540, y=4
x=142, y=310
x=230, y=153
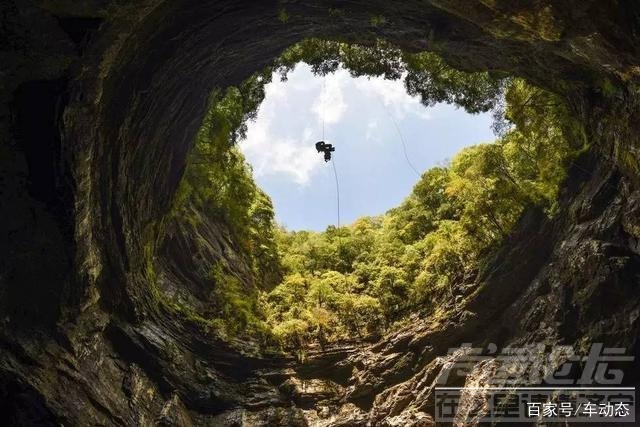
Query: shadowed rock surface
x=99, y=106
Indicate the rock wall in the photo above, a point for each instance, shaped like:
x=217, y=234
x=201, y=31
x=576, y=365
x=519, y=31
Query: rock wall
x=99, y=106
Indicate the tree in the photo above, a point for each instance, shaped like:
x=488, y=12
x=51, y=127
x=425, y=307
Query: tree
x=351, y=280
x=425, y=74
x=429, y=77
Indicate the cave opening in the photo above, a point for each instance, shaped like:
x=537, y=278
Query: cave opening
x=384, y=139
x=366, y=277
x=184, y=309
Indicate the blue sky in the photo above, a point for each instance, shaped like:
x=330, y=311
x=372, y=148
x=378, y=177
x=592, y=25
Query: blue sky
x=372, y=170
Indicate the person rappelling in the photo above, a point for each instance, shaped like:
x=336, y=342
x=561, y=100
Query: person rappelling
x=325, y=148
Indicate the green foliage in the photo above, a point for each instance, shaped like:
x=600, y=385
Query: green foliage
x=292, y=333
x=321, y=307
x=235, y=305
x=377, y=20
x=218, y=182
x=354, y=281
x=425, y=74
x=283, y=16
x=218, y=185
x=434, y=81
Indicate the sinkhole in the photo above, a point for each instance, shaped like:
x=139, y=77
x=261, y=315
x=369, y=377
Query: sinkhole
x=384, y=140
x=432, y=169
x=170, y=255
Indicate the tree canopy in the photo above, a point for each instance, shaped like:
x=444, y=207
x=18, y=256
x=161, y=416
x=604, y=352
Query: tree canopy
x=425, y=74
x=356, y=281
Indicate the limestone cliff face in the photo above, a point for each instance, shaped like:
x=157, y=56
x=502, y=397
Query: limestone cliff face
x=99, y=105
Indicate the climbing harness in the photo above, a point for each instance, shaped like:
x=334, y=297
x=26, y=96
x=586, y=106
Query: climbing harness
x=325, y=148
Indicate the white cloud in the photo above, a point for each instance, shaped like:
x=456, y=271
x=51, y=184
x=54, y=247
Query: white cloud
x=393, y=96
x=280, y=155
x=276, y=91
x=281, y=140
x=331, y=105
x=373, y=132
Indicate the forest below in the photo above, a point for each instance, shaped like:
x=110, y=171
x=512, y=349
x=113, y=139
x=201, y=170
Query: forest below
x=422, y=258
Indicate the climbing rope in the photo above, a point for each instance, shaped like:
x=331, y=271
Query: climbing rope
x=333, y=163
x=324, y=92
x=402, y=141
x=335, y=174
